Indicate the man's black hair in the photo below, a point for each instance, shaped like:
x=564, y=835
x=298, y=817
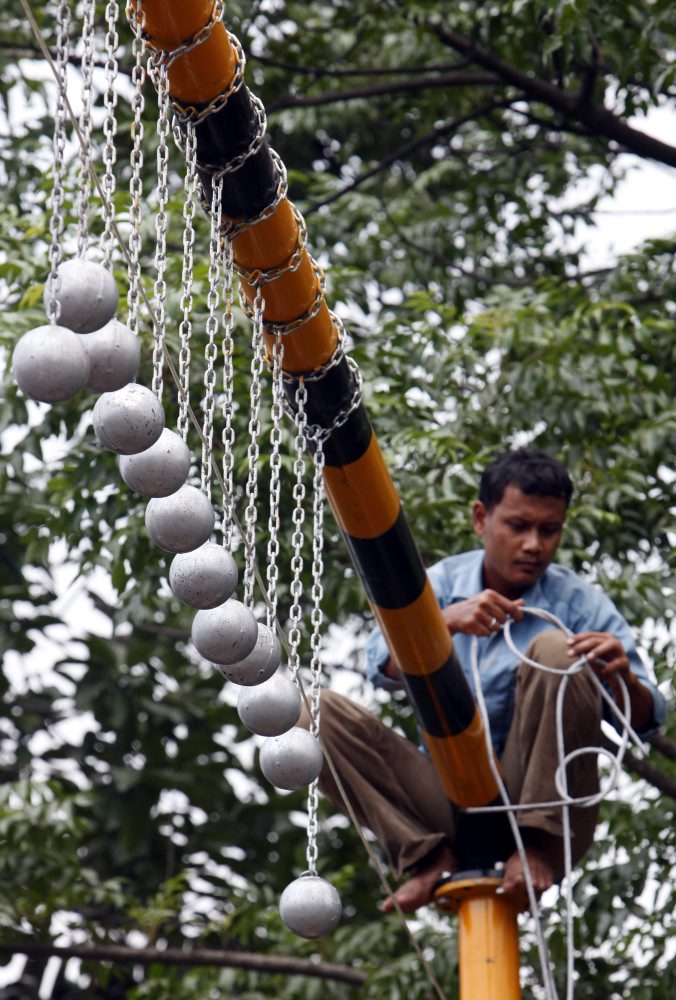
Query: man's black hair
x=533, y=471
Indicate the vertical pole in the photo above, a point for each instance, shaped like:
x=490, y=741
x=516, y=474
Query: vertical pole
x=488, y=936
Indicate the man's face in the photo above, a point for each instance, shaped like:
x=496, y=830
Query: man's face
x=521, y=535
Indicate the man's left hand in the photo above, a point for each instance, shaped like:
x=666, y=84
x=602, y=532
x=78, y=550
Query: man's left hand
x=604, y=652
x=608, y=660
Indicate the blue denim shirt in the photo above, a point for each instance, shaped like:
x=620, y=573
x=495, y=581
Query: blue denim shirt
x=579, y=605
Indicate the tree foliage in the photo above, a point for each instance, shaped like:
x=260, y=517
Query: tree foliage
x=438, y=161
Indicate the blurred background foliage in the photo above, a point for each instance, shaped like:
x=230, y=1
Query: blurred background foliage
x=446, y=202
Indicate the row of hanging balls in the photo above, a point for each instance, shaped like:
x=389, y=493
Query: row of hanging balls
x=89, y=347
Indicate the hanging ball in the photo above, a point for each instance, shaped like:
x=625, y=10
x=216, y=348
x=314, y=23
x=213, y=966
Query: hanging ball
x=129, y=420
x=159, y=470
x=261, y=662
x=310, y=906
x=225, y=634
x=205, y=577
x=87, y=294
x=271, y=708
x=50, y=364
x=114, y=355
x=292, y=760
x=180, y=522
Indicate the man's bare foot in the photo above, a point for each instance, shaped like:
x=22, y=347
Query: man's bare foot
x=417, y=890
x=538, y=855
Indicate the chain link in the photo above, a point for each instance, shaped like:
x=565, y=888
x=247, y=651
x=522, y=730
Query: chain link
x=160, y=287
x=317, y=433
x=237, y=162
x=317, y=619
x=233, y=227
x=108, y=181
x=85, y=124
x=291, y=326
x=56, y=222
x=276, y=413
x=138, y=76
x=228, y=433
x=211, y=350
x=185, y=328
x=250, y=514
x=298, y=518
x=198, y=113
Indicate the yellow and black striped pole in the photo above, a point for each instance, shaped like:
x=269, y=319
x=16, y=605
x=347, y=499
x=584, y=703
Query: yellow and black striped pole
x=206, y=85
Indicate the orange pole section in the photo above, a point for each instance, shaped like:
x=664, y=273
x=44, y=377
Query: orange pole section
x=488, y=938
x=205, y=71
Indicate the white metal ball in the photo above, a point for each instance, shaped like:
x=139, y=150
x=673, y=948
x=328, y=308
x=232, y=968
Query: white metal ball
x=129, y=420
x=159, y=470
x=270, y=708
x=87, y=294
x=50, y=364
x=310, y=906
x=205, y=577
x=291, y=760
x=225, y=634
x=180, y=522
x=114, y=355
x=261, y=662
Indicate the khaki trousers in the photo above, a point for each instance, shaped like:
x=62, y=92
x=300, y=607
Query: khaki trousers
x=394, y=789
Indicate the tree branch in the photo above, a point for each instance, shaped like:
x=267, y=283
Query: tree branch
x=410, y=147
x=320, y=71
x=285, y=964
x=665, y=746
x=396, y=87
x=576, y=106
x=644, y=769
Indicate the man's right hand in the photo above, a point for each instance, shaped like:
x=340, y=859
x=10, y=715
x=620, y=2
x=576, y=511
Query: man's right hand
x=482, y=614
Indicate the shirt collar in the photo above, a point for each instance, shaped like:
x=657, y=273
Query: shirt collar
x=469, y=580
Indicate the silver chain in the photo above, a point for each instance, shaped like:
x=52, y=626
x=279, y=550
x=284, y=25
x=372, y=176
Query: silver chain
x=185, y=328
x=108, y=182
x=228, y=434
x=276, y=413
x=298, y=518
x=138, y=76
x=211, y=350
x=85, y=123
x=250, y=514
x=317, y=619
x=56, y=222
x=160, y=287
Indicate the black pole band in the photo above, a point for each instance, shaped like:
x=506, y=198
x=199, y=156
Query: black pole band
x=222, y=136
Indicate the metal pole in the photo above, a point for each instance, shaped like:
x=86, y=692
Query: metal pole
x=488, y=936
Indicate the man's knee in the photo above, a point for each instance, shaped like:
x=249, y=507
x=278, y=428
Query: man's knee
x=550, y=648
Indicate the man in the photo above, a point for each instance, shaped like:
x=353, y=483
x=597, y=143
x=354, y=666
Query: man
x=393, y=786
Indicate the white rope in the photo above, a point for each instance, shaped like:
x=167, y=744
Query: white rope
x=560, y=781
